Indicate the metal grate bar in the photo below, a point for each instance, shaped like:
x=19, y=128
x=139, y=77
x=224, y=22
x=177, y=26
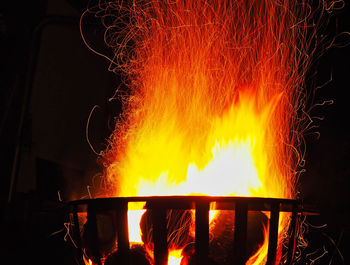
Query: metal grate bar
x=76, y=234
x=158, y=215
x=92, y=226
x=292, y=238
x=239, y=254
x=273, y=234
x=202, y=233
x=122, y=231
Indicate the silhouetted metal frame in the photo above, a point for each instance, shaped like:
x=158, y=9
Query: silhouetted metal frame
x=158, y=207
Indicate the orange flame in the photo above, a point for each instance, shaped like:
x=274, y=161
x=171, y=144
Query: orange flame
x=214, y=100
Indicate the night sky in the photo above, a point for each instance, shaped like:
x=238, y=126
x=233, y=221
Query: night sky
x=55, y=80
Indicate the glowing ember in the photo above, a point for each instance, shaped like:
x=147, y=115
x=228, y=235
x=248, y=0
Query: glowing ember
x=214, y=96
x=175, y=257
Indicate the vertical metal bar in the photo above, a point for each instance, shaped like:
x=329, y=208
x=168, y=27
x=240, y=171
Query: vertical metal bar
x=202, y=233
x=239, y=254
x=292, y=239
x=76, y=235
x=158, y=215
x=273, y=234
x=92, y=228
x=123, y=231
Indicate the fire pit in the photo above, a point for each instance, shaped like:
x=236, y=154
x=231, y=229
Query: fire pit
x=215, y=107
x=200, y=206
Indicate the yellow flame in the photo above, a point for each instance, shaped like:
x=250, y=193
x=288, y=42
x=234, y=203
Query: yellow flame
x=214, y=100
x=234, y=159
x=175, y=257
x=134, y=217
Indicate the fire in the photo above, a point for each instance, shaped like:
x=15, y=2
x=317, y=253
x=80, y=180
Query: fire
x=134, y=217
x=235, y=154
x=175, y=257
x=215, y=89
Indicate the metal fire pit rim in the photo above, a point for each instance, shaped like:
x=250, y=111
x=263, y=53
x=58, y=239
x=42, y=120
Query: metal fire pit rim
x=193, y=198
x=188, y=202
x=188, y=197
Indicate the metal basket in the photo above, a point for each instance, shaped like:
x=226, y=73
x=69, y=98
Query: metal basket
x=159, y=206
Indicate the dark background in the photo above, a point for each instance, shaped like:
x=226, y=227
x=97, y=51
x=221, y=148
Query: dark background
x=50, y=81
